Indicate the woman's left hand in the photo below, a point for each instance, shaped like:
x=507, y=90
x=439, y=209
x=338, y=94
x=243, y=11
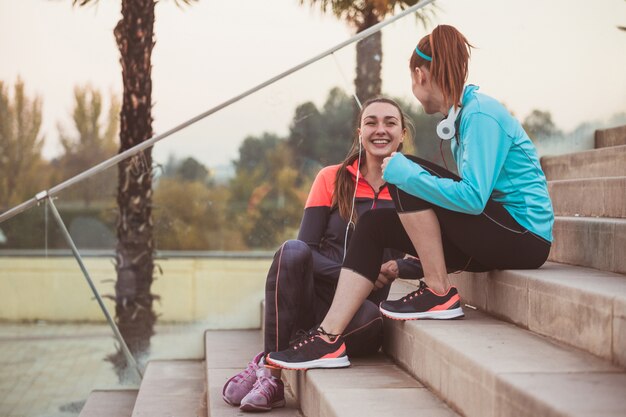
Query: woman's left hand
x=388, y=273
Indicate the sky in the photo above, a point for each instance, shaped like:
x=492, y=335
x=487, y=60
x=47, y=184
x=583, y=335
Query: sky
x=562, y=56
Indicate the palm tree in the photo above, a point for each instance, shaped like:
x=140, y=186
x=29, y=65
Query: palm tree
x=362, y=14
x=134, y=34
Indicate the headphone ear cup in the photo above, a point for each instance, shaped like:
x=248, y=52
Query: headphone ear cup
x=446, y=129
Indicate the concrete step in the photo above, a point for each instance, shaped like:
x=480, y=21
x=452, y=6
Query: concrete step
x=590, y=197
x=227, y=353
x=114, y=403
x=172, y=388
x=603, y=162
x=590, y=241
x=372, y=386
x=610, y=137
x=581, y=307
x=483, y=367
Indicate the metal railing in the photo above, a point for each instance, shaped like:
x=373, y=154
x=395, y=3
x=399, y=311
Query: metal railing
x=150, y=142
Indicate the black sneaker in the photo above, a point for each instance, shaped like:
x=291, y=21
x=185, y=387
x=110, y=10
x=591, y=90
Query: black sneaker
x=311, y=351
x=424, y=304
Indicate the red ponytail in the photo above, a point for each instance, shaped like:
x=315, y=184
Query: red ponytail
x=450, y=52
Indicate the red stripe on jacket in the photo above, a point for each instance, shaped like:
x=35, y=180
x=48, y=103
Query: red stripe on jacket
x=323, y=187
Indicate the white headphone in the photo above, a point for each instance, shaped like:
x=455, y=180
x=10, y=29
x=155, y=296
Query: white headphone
x=356, y=186
x=446, y=128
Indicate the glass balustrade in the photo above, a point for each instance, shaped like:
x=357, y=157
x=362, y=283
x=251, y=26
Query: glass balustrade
x=55, y=346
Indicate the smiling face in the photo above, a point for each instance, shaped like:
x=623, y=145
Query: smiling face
x=381, y=129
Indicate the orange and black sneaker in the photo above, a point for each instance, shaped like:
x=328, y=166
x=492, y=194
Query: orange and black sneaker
x=312, y=351
x=424, y=304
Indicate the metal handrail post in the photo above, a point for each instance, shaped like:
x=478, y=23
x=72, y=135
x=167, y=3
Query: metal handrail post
x=129, y=357
x=150, y=142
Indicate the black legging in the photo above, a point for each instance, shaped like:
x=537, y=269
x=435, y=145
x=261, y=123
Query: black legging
x=490, y=240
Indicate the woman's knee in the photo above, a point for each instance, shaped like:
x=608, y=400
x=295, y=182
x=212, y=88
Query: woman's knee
x=433, y=168
x=406, y=202
x=294, y=259
x=294, y=253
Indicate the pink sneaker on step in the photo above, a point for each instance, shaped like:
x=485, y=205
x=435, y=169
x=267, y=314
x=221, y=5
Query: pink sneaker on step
x=240, y=385
x=268, y=392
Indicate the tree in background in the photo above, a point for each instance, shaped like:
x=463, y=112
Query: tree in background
x=321, y=137
x=21, y=163
x=134, y=35
x=192, y=210
x=266, y=200
x=192, y=170
x=539, y=125
x=92, y=142
x=361, y=15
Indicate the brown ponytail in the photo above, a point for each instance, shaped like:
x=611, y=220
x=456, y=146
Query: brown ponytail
x=344, y=184
x=450, y=52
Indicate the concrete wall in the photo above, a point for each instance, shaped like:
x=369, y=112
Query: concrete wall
x=222, y=293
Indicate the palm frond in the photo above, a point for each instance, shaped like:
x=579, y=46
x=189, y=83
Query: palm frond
x=81, y=3
x=181, y=3
x=353, y=10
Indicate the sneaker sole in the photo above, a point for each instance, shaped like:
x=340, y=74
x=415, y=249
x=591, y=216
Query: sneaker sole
x=254, y=407
x=435, y=315
x=342, y=362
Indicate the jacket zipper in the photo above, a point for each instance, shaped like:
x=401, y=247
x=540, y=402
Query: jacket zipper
x=376, y=193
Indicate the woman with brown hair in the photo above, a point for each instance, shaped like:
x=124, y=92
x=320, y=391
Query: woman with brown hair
x=303, y=277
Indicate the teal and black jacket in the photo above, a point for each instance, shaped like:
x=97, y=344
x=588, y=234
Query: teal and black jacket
x=495, y=158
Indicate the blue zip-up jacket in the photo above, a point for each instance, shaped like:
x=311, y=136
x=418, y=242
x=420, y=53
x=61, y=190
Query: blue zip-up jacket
x=495, y=158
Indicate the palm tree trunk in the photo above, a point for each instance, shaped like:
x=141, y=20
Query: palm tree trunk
x=134, y=251
x=369, y=58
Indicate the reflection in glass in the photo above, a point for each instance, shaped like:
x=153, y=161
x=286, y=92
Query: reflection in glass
x=49, y=323
x=237, y=180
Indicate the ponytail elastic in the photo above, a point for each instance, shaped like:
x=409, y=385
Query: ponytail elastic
x=422, y=54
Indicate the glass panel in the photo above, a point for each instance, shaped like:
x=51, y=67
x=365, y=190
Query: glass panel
x=226, y=192
x=54, y=344
x=237, y=180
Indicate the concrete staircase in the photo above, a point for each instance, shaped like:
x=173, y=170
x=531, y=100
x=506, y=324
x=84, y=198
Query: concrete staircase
x=588, y=190
x=547, y=342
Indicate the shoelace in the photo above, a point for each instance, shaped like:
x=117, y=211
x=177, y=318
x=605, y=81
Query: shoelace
x=246, y=373
x=265, y=386
x=304, y=337
x=414, y=294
